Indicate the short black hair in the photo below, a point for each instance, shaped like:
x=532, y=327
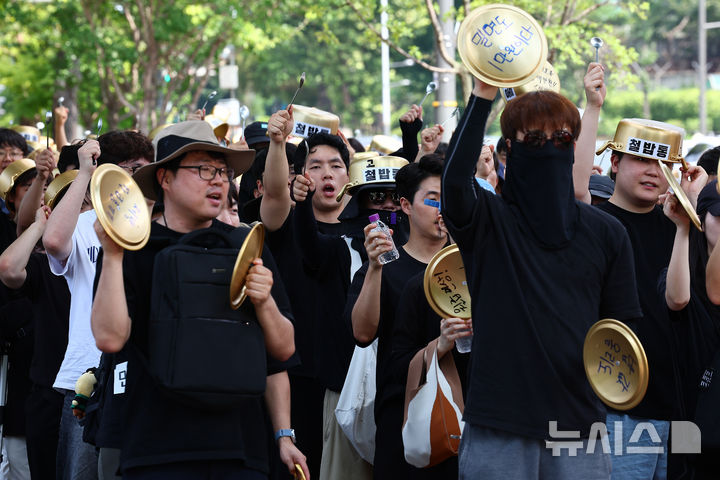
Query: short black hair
x=442, y=149
x=69, y=157
x=258, y=167
x=14, y=139
x=313, y=141
x=356, y=145
x=120, y=146
x=501, y=145
x=709, y=160
x=409, y=177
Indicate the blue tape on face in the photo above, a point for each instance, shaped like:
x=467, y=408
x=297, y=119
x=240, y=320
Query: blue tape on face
x=432, y=203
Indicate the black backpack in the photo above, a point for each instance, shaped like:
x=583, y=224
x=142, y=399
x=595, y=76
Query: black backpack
x=201, y=351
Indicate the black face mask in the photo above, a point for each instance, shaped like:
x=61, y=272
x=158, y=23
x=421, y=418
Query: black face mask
x=539, y=183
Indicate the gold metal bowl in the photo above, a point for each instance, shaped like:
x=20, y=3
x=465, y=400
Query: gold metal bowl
x=648, y=139
x=547, y=79
x=251, y=249
x=445, y=284
x=615, y=364
x=120, y=206
x=502, y=45
x=681, y=195
x=59, y=186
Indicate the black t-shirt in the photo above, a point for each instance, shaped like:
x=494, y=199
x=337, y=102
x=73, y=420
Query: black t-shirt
x=326, y=261
x=416, y=325
x=51, y=309
x=394, y=277
x=160, y=430
x=652, y=235
x=532, y=307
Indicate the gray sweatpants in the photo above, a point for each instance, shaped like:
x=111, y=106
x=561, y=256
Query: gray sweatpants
x=493, y=454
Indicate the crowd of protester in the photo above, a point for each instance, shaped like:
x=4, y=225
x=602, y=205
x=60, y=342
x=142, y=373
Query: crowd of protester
x=550, y=246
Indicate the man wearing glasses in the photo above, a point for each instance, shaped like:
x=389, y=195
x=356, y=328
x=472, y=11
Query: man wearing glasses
x=541, y=269
x=191, y=175
x=12, y=147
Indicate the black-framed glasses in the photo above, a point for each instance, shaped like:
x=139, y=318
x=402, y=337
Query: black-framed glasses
x=536, y=139
x=208, y=172
x=378, y=197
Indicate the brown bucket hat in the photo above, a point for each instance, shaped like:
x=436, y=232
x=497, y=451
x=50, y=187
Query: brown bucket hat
x=175, y=140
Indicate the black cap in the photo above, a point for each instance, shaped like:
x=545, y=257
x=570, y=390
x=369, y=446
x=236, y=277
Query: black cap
x=256, y=133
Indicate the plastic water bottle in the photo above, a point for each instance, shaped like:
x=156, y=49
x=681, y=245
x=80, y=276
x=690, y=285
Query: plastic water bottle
x=393, y=254
x=464, y=344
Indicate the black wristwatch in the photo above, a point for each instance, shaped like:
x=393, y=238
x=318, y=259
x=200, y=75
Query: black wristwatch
x=285, y=432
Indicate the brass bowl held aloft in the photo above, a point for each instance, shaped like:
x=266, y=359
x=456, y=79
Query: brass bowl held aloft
x=502, y=45
x=681, y=196
x=615, y=364
x=311, y=120
x=251, y=249
x=120, y=206
x=445, y=284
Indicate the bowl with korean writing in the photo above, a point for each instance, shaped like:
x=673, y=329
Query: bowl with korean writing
x=547, y=79
x=502, y=45
x=445, y=284
x=615, y=364
x=120, y=206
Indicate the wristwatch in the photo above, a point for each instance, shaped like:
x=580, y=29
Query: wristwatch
x=285, y=432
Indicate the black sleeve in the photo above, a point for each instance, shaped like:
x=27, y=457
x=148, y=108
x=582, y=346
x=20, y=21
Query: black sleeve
x=315, y=247
x=459, y=194
x=619, y=297
x=353, y=294
x=410, y=132
x=278, y=289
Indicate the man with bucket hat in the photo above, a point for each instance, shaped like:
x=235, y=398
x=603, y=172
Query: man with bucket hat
x=191, y=177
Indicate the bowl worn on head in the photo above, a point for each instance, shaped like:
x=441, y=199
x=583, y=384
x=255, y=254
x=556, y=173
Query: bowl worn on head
x=59, y=186
x=547, y=79
x=368, y=168
x=647, y=139
x=311, y=120
x=615, y=364
x=120, y=206
x=445, y=284
x=31, y=134
x=12, y=172
x=502, y=45
x=385, y=144
x=251, y=249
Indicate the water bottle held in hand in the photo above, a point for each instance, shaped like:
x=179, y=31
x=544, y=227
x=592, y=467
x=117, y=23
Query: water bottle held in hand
x=393, y=254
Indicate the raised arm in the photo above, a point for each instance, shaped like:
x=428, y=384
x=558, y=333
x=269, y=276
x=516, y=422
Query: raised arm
x=366, y=311
x=410, y=125
x=61, y=116
x=14, y=259
x=458, y=182
x=275, y=204
x=61, y=224
x=677, y=284
x=594, y=82
x=110, y=320
x=44, y=164
x=429, y=140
